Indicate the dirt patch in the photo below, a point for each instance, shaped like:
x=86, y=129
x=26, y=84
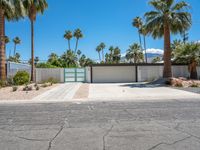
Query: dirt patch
x=82, y=92
x=8, y=94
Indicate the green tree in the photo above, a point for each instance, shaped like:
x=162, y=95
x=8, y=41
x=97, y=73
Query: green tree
x=32, y=8
x=7, y=40
x=166, y=18
x=137, y=22
x=111, y=50
x=54, y=60
x=189, y=53
x=9, y=10
x=79, y=53
x=156, y=59
x=134, y=53
x=15, y=58
x=116, y=55
x=69, y=59
x=68, y=36
x=78, y=35
x=102, y=46
x=16, y=42
x=98, y=49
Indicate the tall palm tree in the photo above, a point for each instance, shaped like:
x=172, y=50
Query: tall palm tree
x=16, y=41
x=143, y=31
x=102, y=46
x=137, y=22
x=68, y=36
x=166, y=18
x=116, y=55
x=79, y=53
x=9, y=10
x=32, y=8
x=7, y=40
x=77, y=34
x=111, y=49
x=134, y=53
x=98, y=49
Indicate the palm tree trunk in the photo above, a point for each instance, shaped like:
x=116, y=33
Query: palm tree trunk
x=32, y=52
x=193, y=70
x=99, y=57
x=69, y=44
x=2, y=46
x=145, y=49
x=167, y=72
x=14, y=50
x=103, y=55
x=76, y=45
x=140, y=40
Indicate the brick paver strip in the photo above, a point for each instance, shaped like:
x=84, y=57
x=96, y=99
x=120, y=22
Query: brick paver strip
x=82, y=92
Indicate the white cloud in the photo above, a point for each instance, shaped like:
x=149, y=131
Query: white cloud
x=155, y=51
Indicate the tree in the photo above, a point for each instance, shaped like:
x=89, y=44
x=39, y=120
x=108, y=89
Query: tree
x=111, y=50
x=116, y=55
x=137, y=22
x=68, y=36
x=69, y=59
x=156, y=60
x=78, y=35
x=143, y=31
x=98, y=49
x=16, y=41
x=102, y=46
x=79, y=53
x=15, y=58
x=54, y=60
x=189, y=53
x=7, y=40
x=9, y=10
x=32, y=8
x=134, y=53
x=166, y=18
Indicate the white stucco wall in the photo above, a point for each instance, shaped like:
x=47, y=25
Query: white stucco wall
x=149, y=73
x=113, y=74
x=180, y=71
x=88, y=74
x=43, y=74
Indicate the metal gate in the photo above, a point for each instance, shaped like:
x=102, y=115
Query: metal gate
x=75, y=75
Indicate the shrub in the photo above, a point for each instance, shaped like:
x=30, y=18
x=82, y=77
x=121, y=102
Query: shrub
x=10, y=81
x=21, y=78
x=37, y=88
x=2, y=83
x=28, y=88
x=14, y=88
x=194, y=85
x=52, y=81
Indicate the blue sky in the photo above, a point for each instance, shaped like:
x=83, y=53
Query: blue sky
x=107, y=21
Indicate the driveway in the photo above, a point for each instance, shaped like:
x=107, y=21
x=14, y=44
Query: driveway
x=166, y=125
x=138, y=92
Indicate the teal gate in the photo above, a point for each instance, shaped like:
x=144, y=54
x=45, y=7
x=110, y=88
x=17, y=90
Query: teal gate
x=74, y=75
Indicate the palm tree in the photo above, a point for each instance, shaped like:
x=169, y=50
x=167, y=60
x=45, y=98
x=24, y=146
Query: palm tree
x=79, y=53
x=116, y=55
x=16, y=41
x=98, y=49
x=188, y=53
x=111, y=49
x=69, y=58
x=77, y=34
x=137, y=22
x=166, y=18
x=32, y=8
x=143, y=31
x=68, y=36
x=7, y=40
x=134, y=53
x=102, y=46
x=9, y=10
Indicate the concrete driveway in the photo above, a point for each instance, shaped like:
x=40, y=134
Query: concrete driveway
x=137, y=92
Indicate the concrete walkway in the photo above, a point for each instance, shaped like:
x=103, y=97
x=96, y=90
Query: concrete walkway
x=62, y=93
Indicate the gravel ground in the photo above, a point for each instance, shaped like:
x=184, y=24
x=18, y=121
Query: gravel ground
x=82, y=92
x=7, y=93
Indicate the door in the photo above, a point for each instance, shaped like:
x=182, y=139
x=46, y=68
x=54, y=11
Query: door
x=74, y=75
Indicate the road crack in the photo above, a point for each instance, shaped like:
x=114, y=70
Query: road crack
x=169, y=144
x=105, y=135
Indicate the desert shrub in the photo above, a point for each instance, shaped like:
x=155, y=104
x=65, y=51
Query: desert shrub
x=194, y=85
x=2, y=83
x=28, y=88
x=37, y=88
x=21, y=78
x=52, y=80
x=14, y=88
x=10, y=81
x=46, y=85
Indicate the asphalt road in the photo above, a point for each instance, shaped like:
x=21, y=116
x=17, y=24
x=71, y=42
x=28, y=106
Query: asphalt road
x=167, y=125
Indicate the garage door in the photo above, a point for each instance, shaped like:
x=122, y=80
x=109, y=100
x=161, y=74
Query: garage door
x=113, y=74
